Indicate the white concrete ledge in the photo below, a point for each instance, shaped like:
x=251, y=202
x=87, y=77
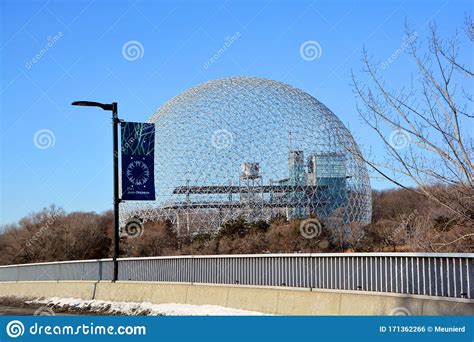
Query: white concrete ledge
x=273, y=300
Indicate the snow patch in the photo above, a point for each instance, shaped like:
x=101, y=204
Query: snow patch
x=134, y=308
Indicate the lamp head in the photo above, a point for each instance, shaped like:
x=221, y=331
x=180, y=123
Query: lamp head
x=104, y=106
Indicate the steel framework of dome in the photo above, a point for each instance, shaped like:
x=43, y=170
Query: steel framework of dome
x=252, y=148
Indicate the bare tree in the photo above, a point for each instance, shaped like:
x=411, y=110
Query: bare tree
x=425, y=126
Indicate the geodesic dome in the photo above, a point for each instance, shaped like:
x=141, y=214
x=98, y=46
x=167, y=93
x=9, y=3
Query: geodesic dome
x=252, y=148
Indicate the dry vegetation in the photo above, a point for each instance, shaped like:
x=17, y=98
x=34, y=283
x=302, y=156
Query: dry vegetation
x=403, y=221
x=425, y=130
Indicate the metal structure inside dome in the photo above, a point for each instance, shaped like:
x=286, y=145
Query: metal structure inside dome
x=252, y=148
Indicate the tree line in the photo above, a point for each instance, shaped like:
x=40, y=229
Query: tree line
x=402, y=221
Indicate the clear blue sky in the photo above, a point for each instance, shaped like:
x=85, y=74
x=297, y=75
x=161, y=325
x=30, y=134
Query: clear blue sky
x=84, y=60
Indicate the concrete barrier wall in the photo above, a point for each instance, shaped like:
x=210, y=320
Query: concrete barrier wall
x=272, y=300
x=76, y=289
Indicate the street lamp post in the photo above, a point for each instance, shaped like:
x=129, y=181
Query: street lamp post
x=115, y=122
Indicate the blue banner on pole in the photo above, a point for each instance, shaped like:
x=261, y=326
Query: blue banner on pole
x=138, y=159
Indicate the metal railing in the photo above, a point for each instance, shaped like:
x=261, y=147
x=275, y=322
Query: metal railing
x=431, y=274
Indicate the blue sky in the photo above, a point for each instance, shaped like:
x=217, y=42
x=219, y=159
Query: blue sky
x=82, y=58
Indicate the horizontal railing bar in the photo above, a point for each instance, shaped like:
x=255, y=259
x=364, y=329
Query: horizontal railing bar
x=270, y=255
x=316, y=255
x=57, y=262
